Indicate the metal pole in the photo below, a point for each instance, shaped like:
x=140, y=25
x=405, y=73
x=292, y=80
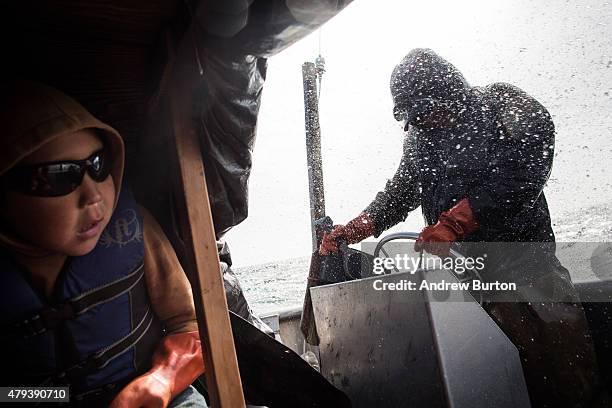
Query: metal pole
x=313, y=147
x=310, y=73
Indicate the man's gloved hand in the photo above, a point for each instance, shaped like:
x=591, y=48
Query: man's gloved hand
x=452, y=225
x=177, y=362
x=353, y=232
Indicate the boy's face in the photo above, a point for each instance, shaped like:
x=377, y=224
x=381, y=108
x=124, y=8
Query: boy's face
x=70, y=224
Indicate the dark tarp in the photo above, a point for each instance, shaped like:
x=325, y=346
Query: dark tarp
x=263, y=28
x=227, y=105
x=238, y=36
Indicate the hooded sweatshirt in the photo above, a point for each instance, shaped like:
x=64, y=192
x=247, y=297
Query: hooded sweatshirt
x=32, y=115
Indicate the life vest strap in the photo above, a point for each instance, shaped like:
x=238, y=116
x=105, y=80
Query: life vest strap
x=51, y=317
x=101, y=358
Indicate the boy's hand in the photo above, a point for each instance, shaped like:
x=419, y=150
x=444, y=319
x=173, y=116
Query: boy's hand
x=177, y=362
x=148, y=390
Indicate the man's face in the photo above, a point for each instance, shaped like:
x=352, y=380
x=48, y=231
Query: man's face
x=426, y=113
x=70, y=224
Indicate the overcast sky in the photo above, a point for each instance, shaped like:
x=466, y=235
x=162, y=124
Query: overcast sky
x=558, y=51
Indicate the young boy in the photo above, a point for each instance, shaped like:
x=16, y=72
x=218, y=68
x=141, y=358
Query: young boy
x=91, y=292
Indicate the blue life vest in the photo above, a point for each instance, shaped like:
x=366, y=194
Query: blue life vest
x=99, y=329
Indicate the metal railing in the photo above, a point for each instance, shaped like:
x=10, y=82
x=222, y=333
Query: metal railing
x=467, y=275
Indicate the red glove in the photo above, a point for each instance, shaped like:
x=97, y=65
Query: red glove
x=353, y=232
x=177, y=362
x=452, y=225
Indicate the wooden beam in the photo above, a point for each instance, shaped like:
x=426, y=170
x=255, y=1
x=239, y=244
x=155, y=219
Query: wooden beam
x=222, y=374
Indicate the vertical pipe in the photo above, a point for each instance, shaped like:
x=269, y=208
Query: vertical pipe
x=315, y=185
x=313, y=147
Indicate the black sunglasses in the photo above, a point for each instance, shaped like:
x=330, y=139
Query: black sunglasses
x=409, y=110
x=58, y=178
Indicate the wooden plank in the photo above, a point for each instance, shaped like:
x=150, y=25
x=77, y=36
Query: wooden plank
x=222, y=374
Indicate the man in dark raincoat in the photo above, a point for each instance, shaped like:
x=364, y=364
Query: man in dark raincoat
x=476, y=160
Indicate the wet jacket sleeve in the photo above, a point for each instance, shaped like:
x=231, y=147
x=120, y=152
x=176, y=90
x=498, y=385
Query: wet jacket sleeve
x=521, y=160
x=401, y=193
x=167, y=284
